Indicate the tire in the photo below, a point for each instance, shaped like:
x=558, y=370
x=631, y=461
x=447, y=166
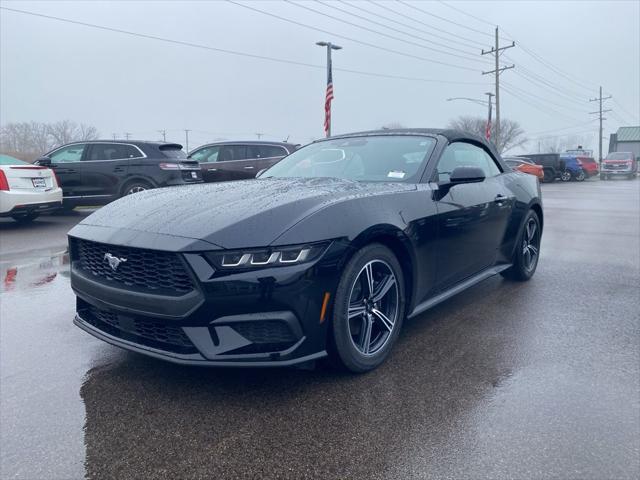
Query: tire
x=549, y=176
x=135, y=187
x=631, y=176
x=580, y=177
x=565, y=176
x=25, y=218
x=522, y=269
x=603, y=177
x=349, y=345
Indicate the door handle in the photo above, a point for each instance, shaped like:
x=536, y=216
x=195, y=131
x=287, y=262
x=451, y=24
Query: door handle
x=249, y=168
x=501, y=198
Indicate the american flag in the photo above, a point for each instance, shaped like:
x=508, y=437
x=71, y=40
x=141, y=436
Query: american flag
x=327, y=103
x=487, y=131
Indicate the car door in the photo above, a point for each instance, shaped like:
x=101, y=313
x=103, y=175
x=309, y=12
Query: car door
x=67, y=163
x=105, y=166
x=472, y=217
x=232, y=164
x=264, y=156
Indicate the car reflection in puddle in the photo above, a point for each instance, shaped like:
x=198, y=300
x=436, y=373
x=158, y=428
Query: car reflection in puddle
x=33, y=269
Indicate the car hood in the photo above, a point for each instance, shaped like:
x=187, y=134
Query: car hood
x=240, y=214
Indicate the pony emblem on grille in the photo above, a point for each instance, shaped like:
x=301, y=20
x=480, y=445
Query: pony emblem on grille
x=114, y=262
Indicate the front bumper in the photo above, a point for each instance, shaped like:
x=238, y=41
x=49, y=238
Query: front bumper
x=265, y=317
x=624, y=172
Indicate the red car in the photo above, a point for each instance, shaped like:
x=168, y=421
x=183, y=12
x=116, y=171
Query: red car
x=589, y=165
x=525, y=166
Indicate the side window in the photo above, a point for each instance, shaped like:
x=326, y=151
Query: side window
x=71, y=153
x=106, y=151
x=461, y=154
x=131, y=152
x=232, y=152
x=206, y=154
x=268, y=151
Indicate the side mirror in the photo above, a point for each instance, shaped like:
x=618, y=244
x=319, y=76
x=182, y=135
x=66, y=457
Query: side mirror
x=44, y=161
x=466, y=175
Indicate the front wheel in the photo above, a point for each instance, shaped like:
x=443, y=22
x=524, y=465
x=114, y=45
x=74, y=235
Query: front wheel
x=565, y=176
x=527, y=250
x=368, y=310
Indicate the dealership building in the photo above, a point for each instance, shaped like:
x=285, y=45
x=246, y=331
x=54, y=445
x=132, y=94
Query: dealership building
x=626, y=139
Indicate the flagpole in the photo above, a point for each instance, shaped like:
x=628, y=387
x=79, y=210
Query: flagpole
x=328, y=94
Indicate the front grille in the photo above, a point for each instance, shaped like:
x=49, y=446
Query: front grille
x=145, y=270
x=266, y=336
x=138, y=329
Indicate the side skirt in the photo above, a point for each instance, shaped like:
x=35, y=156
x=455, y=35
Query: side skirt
x=441, y=297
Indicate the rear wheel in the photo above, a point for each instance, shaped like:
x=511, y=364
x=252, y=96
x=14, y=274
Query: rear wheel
x=580, y=176
x=527, y=250
x=135, y=187
x=369, y=309
x=565, y=176
x=26, y=217
x=603, y=176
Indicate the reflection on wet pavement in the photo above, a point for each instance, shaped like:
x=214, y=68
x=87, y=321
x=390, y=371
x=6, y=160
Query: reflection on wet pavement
x=509, y=380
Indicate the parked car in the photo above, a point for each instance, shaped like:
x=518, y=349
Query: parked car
x=27, y=190
x=573, y=169
x=525, y=166
x=585, y=157
x=324, y=254
x=223, y=161
x=551, y=163
x=619, y=164
x=100, y=171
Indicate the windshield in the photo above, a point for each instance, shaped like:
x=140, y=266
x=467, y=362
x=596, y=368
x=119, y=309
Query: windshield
x=390, y=158
x=619, y=156
x=9, y=160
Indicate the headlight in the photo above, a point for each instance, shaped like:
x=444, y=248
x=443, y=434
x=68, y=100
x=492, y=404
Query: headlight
x=267, y=257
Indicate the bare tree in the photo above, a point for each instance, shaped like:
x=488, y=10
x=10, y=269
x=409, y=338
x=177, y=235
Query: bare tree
x=559, y=144
x=29, y=140
x=511, y=133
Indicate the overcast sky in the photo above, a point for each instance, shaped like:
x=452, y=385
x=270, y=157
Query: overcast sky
x=52, y=70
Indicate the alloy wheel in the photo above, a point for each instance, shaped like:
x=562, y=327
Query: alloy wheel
x=373, y=307
x=135, y=189
x=531, y=244
x=565, y=177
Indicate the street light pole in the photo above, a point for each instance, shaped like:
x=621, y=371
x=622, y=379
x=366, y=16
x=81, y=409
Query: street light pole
x=329, y=93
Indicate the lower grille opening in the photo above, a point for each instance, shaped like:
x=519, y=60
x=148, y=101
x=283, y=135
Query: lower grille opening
x=266, y=336
x=140, y=330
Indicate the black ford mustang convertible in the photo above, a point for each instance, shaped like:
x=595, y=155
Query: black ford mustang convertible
x=326, y=253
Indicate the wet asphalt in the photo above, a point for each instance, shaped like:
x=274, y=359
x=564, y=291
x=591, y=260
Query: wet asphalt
x=508, y=380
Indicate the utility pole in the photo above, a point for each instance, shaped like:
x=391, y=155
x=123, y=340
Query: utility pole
x=259, y=135
x=488, y=129
x=329, y=92
x=600, y=111
x=163, y=132
x=496, y=52
x=186, y=136
x=127, y=135
x=114, y=136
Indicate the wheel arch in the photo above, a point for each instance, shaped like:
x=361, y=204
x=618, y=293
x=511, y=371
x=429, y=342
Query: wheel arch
x=397, y=241
x=136, y=178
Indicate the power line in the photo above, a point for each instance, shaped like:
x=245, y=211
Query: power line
x=633, y=117
x=379, y=47
x=406, y=25
x=447, y=20
x=467, y=52
x=547, y=86
x=377, y=32
x=544, y=99
x=467, y=14
x=549, y=111
x=564, y=128
x=475, y=43
x=233, y=52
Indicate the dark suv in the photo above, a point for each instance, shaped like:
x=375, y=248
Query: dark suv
x=97, y=172
x=552, y=165
x=223, y=161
